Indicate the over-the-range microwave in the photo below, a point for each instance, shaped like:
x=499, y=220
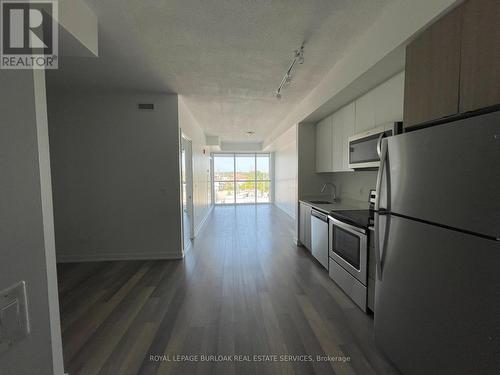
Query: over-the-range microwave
x=363, y=146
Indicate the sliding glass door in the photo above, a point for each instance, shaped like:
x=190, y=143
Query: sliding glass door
x=242, y=178
x=224, y=178
x=263, y=178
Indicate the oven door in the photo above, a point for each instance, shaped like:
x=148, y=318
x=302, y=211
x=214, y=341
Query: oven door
x=349, y=248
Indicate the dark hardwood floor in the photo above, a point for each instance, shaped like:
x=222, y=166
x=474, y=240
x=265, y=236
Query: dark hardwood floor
x=244, y=289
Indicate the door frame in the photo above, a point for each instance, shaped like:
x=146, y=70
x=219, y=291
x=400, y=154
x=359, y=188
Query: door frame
x=188, y=144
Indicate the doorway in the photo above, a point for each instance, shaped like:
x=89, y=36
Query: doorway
x=187, y=192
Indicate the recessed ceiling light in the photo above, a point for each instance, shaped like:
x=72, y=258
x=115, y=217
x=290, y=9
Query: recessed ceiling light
x=250, y=133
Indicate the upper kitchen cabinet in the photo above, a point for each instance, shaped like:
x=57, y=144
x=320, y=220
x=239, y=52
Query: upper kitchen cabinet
x=480, y=55
x=332, y=140
x=324, y=149
x=365, y=112
x=343, y=127
x=388, y=101
x=381, y=105
x=433, y=71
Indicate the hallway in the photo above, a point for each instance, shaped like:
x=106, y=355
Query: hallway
x=243, y=289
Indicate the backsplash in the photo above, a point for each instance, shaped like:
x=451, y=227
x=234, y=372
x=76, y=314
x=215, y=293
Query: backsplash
x=354, y=185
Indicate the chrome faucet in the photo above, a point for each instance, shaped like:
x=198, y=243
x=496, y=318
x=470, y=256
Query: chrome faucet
x=334, y=190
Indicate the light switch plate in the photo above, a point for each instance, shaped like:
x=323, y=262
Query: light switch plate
x=14, y=322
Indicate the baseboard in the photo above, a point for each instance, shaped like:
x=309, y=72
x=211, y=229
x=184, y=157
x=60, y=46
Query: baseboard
x=198, y=229
x=101, y=257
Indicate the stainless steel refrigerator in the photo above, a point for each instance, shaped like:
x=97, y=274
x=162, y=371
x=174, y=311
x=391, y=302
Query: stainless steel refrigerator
x=437, y=295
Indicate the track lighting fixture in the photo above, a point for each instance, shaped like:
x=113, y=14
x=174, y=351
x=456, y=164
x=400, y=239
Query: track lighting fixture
x=298, y=57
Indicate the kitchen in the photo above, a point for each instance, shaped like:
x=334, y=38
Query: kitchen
x=394, y=184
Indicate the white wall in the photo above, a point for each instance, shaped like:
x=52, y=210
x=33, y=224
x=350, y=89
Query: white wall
x=202, y=200
x=27, y=249
x=116, y=178
x=285, y=172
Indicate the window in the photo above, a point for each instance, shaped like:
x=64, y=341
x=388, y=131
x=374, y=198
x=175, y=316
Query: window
x=241, y=178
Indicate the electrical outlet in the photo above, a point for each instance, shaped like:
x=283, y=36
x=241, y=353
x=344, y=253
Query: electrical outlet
x=14, y=322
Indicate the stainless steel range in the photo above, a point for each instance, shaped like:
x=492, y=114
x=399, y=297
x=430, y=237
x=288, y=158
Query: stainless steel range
x=348, y=251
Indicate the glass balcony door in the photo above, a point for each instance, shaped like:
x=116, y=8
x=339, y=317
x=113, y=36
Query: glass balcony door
x=242, y=178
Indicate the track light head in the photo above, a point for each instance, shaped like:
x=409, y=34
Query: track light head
x=299, y=54
x=298, y=57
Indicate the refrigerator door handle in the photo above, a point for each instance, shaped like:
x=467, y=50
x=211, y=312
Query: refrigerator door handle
x=378, y=260
x=380, y=246
x=382, y=150
x=379, y=145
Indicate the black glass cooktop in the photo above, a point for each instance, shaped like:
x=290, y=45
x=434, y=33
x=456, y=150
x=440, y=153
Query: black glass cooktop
x=359, y=218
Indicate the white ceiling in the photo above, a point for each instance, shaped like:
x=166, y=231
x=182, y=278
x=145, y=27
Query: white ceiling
x=226, y=57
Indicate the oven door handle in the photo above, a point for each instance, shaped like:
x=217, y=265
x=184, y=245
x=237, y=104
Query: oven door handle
x=347, y=227
x=319, y=215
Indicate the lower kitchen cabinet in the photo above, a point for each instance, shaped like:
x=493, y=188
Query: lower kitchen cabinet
x=305, y=225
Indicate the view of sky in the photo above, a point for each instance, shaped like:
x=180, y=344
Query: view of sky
x=223, y=164
x=244, y=163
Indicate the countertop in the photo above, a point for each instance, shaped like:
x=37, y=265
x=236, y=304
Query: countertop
x=342, y=204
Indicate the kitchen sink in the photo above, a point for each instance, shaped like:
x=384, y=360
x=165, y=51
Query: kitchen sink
x=321, y=202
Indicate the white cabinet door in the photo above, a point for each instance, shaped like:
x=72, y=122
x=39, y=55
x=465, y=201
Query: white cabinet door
x=343, y=127
x=308, y=227
x=305, y=225
x=349, y=117
x=337, y=135
x=365, y=112
x=302, y=224
x=324, y=145
x=389, y=100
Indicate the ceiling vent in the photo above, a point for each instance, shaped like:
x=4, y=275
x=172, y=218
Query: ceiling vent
x=146, y=107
